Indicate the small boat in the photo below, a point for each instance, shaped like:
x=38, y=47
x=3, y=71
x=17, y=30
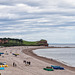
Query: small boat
x=14, y=54
x=61, y=68
x=1, y=68
x=48, y=69
x=3, y=65
x=57, y=67
x=1, y=53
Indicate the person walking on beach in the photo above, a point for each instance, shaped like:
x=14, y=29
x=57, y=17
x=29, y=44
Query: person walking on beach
x=29, y=62
x=24, y=61
x=14, y=64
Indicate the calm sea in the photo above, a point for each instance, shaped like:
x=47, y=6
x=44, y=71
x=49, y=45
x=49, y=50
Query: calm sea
x=64, y=55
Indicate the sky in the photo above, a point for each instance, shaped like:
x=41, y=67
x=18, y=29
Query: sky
x=32, y=20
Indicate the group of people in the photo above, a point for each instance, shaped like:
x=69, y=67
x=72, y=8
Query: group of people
x=27, y=62
x=14, y=64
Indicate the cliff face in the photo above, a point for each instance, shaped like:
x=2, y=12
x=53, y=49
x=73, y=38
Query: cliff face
x=43, y=43
x=3, y=41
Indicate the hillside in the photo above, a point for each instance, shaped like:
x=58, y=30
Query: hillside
x=20, y=42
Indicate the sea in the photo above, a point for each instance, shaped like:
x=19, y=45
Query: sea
x=64, y=55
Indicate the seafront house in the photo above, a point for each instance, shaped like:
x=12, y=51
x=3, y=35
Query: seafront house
x=2, y=41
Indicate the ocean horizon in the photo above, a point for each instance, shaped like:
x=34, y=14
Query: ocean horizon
x=61, y=45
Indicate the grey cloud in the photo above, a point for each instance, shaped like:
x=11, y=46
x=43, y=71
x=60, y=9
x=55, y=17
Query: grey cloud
x=13, y=2
x=35, y=16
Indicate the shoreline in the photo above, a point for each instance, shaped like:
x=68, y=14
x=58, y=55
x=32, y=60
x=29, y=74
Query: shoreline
x=29, y=51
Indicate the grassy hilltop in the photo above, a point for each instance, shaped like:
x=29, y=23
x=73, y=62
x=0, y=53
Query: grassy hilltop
x=20, y=42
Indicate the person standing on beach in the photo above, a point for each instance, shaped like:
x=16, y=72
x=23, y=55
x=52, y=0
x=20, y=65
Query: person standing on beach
x=29, y=62
x=24, y=61
x=13, y=64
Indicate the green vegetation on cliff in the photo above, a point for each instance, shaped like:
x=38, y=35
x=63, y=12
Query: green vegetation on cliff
x=20, y=42
x=29, y=43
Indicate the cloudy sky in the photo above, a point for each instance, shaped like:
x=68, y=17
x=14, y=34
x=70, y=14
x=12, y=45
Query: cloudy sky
x=32, y=20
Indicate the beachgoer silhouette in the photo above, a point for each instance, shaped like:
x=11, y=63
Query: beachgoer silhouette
x=29, y=62
x=24, y=61
x=13, y=64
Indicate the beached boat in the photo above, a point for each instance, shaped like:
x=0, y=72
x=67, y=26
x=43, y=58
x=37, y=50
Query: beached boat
x=1, y=68
x=48, y=69
x=57, y=67
x=1, y=53
x=3, y=65
x=15, y=54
